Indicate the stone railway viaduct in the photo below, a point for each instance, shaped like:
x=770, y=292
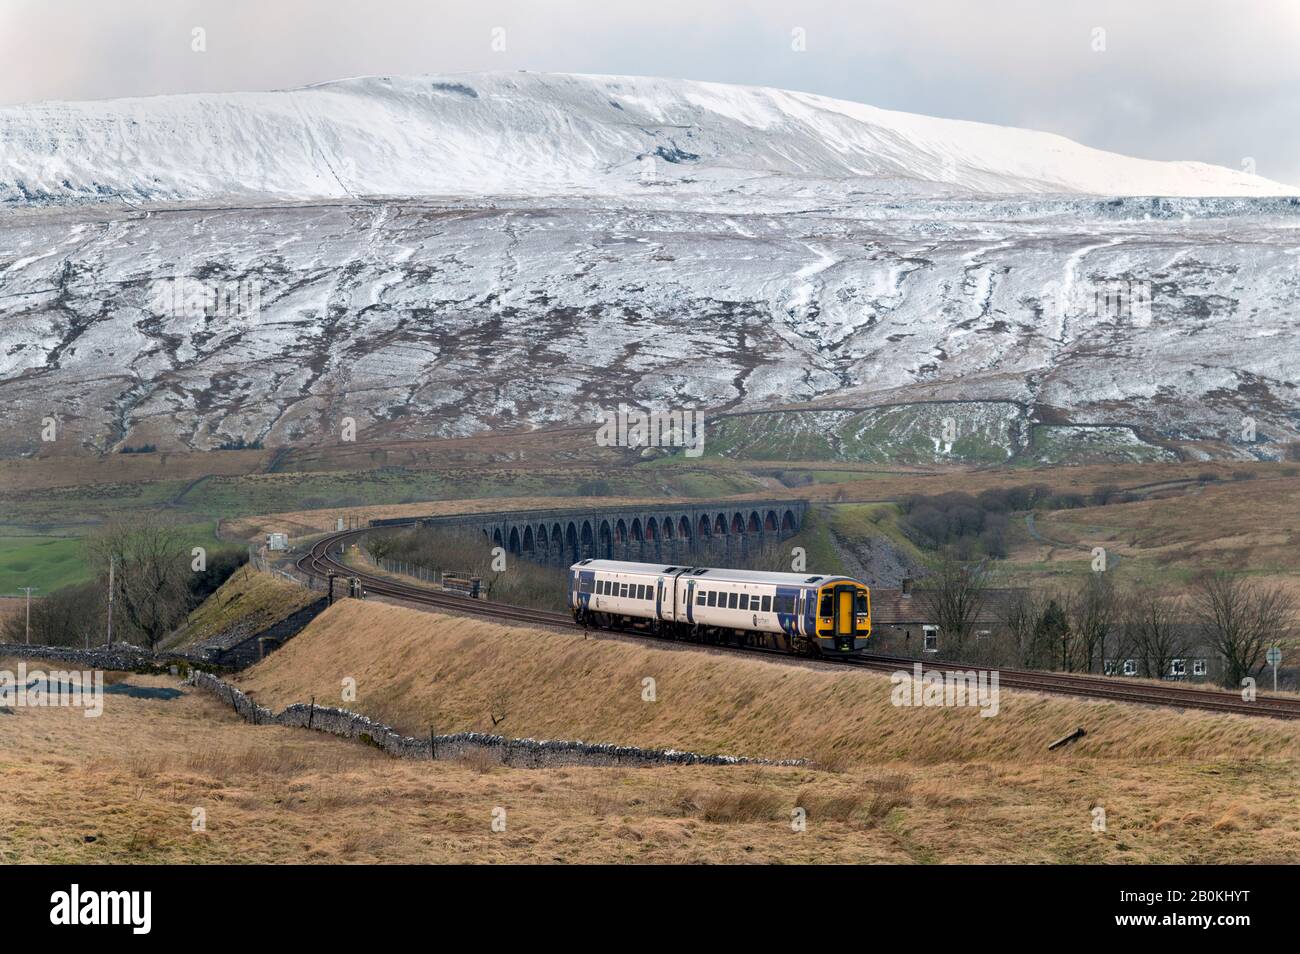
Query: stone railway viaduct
x=651, y=533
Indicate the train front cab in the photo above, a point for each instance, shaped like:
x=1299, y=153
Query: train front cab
x=843, y=617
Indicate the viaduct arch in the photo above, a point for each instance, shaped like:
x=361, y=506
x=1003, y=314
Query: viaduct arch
x=686, y=532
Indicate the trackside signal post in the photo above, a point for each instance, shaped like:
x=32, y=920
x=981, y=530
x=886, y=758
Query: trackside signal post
x=1274, y=657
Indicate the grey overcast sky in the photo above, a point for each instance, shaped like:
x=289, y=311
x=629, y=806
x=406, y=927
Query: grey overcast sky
x=1212, y=80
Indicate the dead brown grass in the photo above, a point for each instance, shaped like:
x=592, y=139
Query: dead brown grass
x=419, y=670
x=123, y=789
x=1235, y=524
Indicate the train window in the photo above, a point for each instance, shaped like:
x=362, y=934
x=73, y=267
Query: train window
x=646, y=592
x=713, y=597
x=826, y=605
x=731, y=601
x=622, y=591
x=862, y=603
x=585, y=586
x=744, y=601
x=767, y=605
x=699, y=598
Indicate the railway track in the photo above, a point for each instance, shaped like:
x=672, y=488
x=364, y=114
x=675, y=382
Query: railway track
x=321, y=560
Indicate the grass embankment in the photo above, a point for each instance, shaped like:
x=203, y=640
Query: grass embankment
x=248, y=599
x=416, y=669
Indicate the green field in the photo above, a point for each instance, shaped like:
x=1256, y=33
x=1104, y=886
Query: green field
x=52, y=562
x=46, y=563
x=40, y=536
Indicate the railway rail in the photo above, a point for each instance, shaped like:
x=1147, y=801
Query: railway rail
x=320, y=561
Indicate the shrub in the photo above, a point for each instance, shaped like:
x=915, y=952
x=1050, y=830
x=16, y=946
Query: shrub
x=1104, y=494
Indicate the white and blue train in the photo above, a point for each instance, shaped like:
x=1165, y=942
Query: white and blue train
x=795, y=612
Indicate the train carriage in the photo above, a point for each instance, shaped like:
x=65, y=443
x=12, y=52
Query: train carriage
x=795, y=612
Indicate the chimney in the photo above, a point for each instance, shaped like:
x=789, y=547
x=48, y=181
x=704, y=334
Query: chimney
x=907, y=586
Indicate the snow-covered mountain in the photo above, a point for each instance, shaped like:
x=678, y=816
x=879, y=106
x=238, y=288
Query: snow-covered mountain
x=444, y=256
x=528, y=134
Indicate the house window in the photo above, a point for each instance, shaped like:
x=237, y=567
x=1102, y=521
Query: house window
x=981, y=634
x=1199, y=667
x=1178, y=667
x=1130, y=667
x=931, y=638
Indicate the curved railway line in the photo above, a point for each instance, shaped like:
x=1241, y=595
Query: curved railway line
x=319, y=561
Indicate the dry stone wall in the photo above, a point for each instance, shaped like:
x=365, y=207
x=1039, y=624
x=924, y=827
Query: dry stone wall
x=524, y=753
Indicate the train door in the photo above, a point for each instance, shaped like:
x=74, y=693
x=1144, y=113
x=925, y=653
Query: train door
x=845, y=616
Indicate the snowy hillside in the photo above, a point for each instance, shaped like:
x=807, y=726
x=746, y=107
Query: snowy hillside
x=423, y=320
x=526, y=134
x=508, y=250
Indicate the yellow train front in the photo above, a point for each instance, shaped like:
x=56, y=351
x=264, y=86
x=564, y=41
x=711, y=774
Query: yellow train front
x=843, y=617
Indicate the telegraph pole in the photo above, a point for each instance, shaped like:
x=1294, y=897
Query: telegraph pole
x=29, y=610
x=111, y=561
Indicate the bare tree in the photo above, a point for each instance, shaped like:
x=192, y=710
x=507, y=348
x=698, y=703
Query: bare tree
x=1021, y=616
x=1055, y=638
x=151, y=573
x=773, y=556
x=380, y=545
x=1241, y=619
x=67, y=617
x=1155, y=624
x=952, y=595
x=1093, y=610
